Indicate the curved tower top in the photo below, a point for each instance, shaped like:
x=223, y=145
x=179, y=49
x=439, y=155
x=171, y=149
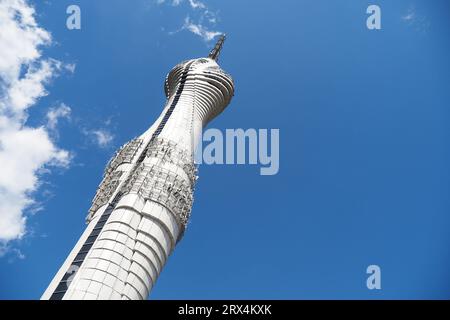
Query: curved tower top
x=206, y=81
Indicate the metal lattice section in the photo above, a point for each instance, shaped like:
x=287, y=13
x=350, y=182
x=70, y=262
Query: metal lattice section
x=105, y=191
x=111, y=177
x=168, y=152
x=124, y=155
x=152, y=182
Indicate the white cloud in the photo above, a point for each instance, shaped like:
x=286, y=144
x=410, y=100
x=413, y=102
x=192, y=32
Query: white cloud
x=197, y=4
x=25, y=152
x=54, y=114
x=14, y=253
x=410, y=15
x=203, y=24
x=23, y=92
x=101, y=137
x=415, y=20
x=200, y=30
x=20, y=37
x=172, y=2
x=193, y=3
x=70, y=67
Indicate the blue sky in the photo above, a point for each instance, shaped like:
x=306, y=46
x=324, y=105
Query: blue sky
x=364, y=157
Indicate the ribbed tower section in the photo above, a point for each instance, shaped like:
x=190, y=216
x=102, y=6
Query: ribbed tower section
x=144, y=201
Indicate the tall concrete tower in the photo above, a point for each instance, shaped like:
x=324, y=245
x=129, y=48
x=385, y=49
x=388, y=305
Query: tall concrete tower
x=144, y=201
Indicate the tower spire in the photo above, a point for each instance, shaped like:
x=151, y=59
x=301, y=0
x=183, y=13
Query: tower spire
x=215, y=52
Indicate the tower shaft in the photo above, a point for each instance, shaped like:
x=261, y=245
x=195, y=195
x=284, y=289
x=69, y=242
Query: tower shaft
x=143, y=204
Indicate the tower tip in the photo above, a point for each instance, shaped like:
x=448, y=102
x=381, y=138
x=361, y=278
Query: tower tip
x=215, y=52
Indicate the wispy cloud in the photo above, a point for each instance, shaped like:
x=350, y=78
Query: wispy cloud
x=415, y=20
x=204, y=25
x=409, y=16
x=199, y=30
x=197, y=4
x=70, y=67
x=13, y=253
x=56, y=113
x=103, y=138
x=24, y=150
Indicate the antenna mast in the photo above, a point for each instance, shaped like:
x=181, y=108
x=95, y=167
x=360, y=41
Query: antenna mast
x=215, y=52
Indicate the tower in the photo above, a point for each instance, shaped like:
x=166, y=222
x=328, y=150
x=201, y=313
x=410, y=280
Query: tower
x=144, y=201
